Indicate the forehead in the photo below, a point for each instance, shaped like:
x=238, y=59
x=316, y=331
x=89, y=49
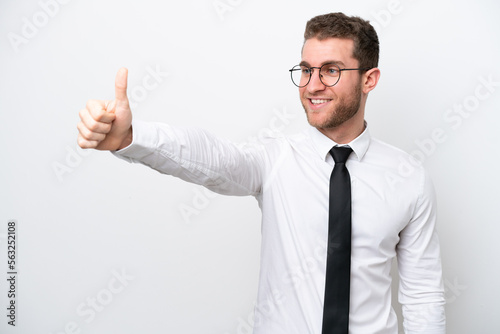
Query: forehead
x=317, y=51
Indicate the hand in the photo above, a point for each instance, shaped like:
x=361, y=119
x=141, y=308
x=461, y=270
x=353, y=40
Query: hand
x=107, y=125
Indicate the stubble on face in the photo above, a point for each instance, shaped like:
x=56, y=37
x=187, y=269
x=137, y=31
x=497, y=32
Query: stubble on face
x=345, y=108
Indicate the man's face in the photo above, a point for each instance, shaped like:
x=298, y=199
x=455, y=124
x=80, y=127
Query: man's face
x=329, y=107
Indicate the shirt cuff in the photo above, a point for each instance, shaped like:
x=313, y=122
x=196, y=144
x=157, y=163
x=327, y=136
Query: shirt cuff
x=144, y=142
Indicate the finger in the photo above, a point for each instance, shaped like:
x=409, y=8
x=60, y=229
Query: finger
x=84, y=143
x=98, y=112
x=110, y=106
x=121, y=84
x=90, y=135
x=92, y=125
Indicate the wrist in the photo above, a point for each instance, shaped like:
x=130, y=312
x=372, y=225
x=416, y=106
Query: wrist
x=127, y=140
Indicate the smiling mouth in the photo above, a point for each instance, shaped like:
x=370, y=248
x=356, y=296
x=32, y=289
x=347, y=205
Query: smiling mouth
x=319, y=101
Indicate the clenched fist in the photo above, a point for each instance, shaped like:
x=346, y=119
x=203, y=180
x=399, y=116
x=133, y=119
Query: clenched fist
x=107, y=125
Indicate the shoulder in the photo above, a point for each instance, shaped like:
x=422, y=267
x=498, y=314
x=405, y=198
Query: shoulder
x=399, y=169
x=391, y=157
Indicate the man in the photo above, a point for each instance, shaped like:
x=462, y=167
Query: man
x=384, y=212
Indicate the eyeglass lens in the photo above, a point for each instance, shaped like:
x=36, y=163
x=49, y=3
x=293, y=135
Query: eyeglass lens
x=328, y=73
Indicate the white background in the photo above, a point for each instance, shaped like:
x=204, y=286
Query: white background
x=86, y=216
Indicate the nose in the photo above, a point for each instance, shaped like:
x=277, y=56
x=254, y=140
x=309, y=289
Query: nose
x=315, y=83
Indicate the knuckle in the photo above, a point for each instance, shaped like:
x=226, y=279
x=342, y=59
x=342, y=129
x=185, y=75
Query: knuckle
x=98, y=114
x=93, y=126
x=84, y=135
x=81, y=129
x=84, y=132
x=99, y=127
x=95, y=109
x=97, y=136
x=82, y=113
x=107, y=127
x=82, y=142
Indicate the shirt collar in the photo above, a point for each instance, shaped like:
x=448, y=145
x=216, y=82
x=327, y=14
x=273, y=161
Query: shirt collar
x=323, y=144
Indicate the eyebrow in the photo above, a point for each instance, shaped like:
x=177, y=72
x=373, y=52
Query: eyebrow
x=336, y=62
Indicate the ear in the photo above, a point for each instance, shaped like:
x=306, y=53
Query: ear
x=370, y=80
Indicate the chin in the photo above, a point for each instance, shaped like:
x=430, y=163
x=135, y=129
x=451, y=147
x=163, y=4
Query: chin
x=317, y=120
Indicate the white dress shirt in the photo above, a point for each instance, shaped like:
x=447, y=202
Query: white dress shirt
x=393, y=214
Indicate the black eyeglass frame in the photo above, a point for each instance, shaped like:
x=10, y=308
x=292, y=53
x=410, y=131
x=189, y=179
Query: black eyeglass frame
x=319, y=68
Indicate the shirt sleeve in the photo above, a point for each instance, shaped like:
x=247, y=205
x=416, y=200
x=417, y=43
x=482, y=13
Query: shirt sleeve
x=197, y=156
x=421, y=290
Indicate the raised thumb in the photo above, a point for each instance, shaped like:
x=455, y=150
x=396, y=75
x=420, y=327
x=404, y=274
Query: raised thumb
x=121, y=84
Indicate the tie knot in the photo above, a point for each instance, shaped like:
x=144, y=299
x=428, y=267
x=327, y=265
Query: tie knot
x=340, y=153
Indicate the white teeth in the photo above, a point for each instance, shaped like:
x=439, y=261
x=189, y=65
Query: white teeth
x=319, y=101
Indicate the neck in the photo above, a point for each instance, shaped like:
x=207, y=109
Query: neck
x=347, y=131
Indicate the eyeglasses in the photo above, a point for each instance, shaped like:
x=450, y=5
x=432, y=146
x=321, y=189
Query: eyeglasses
x=329, y=74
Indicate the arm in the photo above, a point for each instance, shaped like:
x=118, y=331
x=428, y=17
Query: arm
x=197, y=156
x=193, y=155
x=421, y=290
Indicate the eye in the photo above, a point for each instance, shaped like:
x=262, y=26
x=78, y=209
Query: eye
x=306, y=70
x=330, y=70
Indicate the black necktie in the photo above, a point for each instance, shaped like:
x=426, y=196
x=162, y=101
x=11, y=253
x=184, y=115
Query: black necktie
x=338, y=262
